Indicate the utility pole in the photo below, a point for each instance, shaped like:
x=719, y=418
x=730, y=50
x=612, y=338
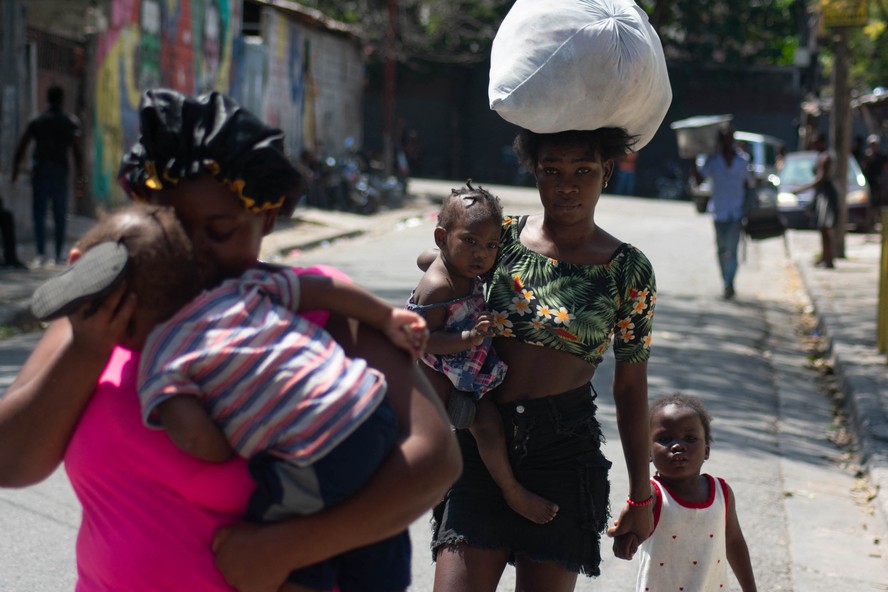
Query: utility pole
x=840, y=130
x=14, y=78
x=839, y=16
x=15, y=99
x=388, y=99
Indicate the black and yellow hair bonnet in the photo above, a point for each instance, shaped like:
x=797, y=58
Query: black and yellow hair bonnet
x=183, y=137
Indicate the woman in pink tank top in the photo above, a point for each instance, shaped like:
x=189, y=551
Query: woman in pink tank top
x=153, y=517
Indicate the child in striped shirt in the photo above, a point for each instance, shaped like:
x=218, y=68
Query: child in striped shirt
x=235, y=370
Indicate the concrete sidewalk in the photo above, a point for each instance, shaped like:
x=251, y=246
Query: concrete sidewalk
x=844, y=300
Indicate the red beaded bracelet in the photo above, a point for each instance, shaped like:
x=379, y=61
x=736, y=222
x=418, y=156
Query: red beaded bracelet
x=646, y=502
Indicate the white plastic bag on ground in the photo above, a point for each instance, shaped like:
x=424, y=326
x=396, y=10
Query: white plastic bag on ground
x=561, y=65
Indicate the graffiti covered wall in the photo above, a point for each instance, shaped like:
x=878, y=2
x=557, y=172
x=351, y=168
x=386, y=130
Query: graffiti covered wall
x=305, y=80
x=181, y=44
x=282, y=98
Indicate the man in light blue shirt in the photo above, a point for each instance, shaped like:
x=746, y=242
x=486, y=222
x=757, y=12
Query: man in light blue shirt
x=728, y=170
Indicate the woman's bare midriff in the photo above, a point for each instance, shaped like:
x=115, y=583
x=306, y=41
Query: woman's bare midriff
x=536, y=371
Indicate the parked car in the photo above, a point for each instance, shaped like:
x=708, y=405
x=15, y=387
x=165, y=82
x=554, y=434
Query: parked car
x=798, y=169
x=763, y=160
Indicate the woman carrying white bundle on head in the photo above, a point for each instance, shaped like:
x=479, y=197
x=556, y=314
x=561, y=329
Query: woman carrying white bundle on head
x=587, y=82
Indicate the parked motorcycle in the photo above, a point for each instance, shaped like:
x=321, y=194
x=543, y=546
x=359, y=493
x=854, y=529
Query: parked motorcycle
x=356, y=192
x=358, y=184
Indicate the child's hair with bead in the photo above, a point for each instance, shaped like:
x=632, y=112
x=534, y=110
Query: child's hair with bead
x=467, y=205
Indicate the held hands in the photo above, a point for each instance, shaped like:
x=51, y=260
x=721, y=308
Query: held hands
x=631, y=529
x=407, y=330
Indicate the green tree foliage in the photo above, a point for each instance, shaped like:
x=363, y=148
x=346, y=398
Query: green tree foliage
x=705, y=31
x=446, y=31
x=730, y=32
x=867, y=50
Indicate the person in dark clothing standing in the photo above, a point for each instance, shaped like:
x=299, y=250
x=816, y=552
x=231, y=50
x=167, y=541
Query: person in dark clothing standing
x=54, y=133
x=7, y=232
x=875, y=170
x=824, y=207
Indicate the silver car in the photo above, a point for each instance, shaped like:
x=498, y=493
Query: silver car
x=799, y=169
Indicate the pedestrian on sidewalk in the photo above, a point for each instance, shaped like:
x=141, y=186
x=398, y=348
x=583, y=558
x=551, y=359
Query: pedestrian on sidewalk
x=561, y=289
x=825, y=204
x=696, y=530
x=155, y=518
x=875, y=169
x=459, y=361
x=729, y=172
x=55, y=133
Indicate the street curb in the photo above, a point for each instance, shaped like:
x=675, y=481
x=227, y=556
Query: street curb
x=861, y=401
x=311, y=228
x=320, y=242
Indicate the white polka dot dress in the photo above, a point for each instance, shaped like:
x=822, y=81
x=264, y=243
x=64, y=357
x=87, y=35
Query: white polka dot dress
x=686, y=552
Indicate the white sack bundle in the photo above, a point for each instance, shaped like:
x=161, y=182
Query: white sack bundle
x=560, y=65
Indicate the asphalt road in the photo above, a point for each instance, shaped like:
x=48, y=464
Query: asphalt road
x=803, y=509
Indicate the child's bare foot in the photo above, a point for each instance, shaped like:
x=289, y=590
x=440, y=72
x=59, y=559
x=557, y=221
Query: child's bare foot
x=530, y=505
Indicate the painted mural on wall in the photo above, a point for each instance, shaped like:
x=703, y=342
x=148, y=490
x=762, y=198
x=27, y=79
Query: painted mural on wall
x=273, y=79
x=283, y=99
x=311, y=86
x=181, y=44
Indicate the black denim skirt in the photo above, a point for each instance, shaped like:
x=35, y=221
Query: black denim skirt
x=554, y=446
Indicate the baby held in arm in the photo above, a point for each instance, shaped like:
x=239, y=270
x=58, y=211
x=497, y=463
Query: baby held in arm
x=460, y=360
x=154, y=517
x=236, y=370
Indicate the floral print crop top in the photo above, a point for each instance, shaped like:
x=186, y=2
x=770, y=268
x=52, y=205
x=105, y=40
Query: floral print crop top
x=578, y=309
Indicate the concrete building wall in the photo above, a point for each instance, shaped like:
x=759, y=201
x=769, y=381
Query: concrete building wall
x=15, y=91
x=313, y=86
x=463, y=138
x=338, y=69
x=304, y=74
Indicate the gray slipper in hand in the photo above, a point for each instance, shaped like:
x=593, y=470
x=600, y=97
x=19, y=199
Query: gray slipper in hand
x=91, y=277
